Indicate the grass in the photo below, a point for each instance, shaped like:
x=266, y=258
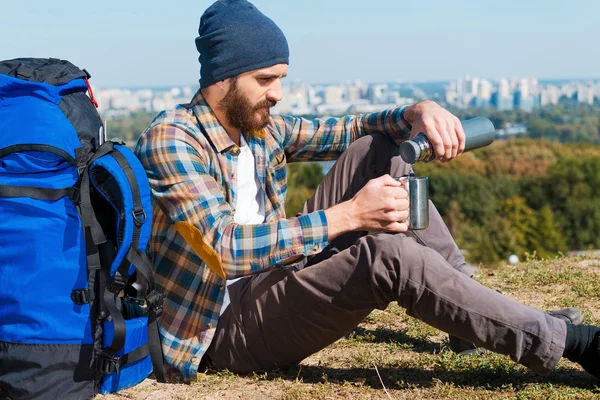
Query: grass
x=393, y=356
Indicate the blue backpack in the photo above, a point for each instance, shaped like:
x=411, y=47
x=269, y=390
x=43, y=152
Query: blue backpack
x=78, y=305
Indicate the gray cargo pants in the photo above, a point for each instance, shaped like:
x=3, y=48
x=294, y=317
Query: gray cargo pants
x=277, y=318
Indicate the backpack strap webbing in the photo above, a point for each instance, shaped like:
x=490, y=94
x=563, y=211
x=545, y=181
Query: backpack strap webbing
x=154, y=302
x=39, y=193
x=93, y=235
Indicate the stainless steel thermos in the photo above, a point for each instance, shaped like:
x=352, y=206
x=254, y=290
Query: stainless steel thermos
x=479, y=132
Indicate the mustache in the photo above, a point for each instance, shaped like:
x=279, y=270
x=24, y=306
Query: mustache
x=265, y=104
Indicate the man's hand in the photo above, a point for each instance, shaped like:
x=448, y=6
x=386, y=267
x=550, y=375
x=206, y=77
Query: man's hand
x=441, y=127
x=381, y=205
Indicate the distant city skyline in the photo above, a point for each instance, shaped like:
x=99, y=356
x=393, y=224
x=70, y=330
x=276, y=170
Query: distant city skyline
x=139, y=43
x=298, y=98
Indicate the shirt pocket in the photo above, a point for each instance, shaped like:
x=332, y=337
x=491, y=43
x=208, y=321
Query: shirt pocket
x=277, y=172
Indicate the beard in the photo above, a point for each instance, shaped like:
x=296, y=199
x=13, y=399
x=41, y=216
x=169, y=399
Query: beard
x=241, y=113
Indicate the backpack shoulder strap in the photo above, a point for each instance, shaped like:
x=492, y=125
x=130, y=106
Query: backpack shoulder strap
x=119, y=177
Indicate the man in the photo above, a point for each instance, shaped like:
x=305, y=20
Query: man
x=249, y=289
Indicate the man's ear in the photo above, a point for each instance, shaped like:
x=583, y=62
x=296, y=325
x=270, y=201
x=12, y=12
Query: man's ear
x=221, y=85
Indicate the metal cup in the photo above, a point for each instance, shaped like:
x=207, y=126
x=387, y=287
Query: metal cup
x=418, y=197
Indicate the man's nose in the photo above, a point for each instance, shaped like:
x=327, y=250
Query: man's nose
x=274, y=93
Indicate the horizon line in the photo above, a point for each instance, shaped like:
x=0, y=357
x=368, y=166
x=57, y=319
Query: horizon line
x=438, y=81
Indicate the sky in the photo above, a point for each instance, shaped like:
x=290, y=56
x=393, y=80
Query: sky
x=135, y=43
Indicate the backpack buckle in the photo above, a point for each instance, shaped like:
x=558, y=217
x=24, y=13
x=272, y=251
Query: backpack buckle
x=108, y=365
x=155, y=303
x=81, y=296
x=119, y=282
x=139, y=216
x=117, y=141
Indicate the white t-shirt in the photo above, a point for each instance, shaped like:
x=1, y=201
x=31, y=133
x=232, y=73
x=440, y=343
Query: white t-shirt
x=249, y=203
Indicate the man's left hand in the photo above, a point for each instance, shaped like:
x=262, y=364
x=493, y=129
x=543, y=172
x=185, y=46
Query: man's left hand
x=441, y=127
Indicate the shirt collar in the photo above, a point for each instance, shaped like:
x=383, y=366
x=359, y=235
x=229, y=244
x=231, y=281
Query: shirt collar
x=215, y=131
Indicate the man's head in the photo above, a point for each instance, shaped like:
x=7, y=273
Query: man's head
x=243, y=56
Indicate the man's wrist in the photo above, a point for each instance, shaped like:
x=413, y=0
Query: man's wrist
x=408, y=114
x=340, y=219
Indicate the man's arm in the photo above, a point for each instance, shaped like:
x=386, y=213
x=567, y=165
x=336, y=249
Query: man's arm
x=327, y=138
x=185, y=190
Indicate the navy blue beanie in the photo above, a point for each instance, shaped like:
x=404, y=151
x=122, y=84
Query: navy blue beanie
x=234, y=37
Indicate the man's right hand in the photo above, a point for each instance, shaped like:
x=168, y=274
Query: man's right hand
x=442, y=128
x=381, y=205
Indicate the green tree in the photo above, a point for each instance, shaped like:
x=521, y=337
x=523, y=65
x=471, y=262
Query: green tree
x=523, y=221
x=128, y=127
x=576, y=199
x=491, y=242
x=302, y=180
x=551, y=240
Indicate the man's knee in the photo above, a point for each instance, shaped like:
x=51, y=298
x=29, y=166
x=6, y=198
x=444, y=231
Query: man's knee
x=384, y=261
x=394, y=250
x=377, y=145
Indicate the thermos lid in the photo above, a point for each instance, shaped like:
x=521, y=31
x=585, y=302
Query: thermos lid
x=410, y=151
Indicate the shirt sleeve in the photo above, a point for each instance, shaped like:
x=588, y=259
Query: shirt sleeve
x=184, y=189
x=327, y=138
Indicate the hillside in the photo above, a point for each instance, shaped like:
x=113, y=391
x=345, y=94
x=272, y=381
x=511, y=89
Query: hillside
x=393, y=356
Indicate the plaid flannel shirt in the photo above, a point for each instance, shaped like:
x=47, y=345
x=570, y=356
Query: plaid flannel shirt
x=196, y=245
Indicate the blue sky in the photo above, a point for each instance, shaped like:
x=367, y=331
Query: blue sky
x=150, y=43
